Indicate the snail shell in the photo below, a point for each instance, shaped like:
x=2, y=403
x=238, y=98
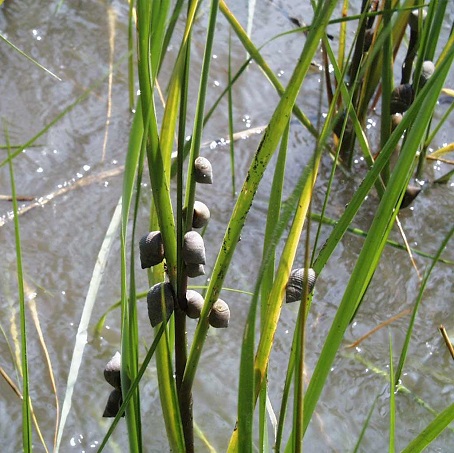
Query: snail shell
x=410, y=194
x=112, y=371
x=151, y=249
x=154, y=297
x=194, y=270
x=193, y=248
x=202, y=171
x=114, y=402
x=195, y=304
x=219, y=316
x=201, y=214
x=427, y=70
x=401, y=98
x=295, y=285
x=413, y=18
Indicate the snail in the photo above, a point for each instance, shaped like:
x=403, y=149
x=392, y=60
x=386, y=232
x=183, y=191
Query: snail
x=219, y=316
x=151, y=249
x=396, y=119
x=112, y=371
x=413, y=18
x=203, y=172
x=200, y=216
x=113, y=404
x=154, y=302
x=295, y=285
x=194, y=270
x=193, y=248
x=401, y=98
x=195, y=304
x=410, y=194
x=427, y=70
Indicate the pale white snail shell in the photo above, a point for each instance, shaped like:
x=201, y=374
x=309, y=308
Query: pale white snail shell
x=219, y=316
x=112, y=371
x=195, y=304
x=295, y=285
x=154, y=297
x=194, y=270
x=151, y=249
x=203, y=172
x=193, y=248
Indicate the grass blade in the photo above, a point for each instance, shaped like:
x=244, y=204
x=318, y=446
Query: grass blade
x=26, y=409
x=431, y=432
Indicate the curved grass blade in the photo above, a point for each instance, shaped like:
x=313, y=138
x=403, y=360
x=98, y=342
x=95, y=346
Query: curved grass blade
x=82, y=330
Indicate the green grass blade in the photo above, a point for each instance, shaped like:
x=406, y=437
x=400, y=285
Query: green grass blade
x=431, y=432
x=392, y=400
x=27, y=441
x=365, y=425
x=40, y=66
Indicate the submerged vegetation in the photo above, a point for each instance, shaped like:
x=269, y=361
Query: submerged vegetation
x=388, y=61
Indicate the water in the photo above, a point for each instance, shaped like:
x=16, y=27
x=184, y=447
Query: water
x=62, y=234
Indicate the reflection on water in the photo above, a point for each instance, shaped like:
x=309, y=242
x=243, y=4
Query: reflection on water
x=73, y=175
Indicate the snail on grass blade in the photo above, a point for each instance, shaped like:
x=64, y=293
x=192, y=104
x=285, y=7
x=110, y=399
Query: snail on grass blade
x=203, y=172
x=161, y=292
x=151, y=249
x=113, y=404
x=195, y=304
x=219, y=316
x=200, y=216
x=112, y=371
x=193, y=248
x=401, y=98
x=296, y=281
x=195, y=270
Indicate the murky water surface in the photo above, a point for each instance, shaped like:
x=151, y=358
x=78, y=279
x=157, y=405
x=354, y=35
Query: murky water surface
x=73, y=174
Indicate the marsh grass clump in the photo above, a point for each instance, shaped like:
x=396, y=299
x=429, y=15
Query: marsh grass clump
x=362, y=80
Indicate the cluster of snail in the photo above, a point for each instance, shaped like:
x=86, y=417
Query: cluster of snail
x=112, y=376
x=161, y=297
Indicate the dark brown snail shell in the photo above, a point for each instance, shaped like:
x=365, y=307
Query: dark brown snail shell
x=195, y=304
x=295, y=285
x=195, y=270
x=219, y=316
x=193, y=248
x=151, y=249
x=401, y=98
x=203, y=172
x=154, y=302
x=112, y=371
x=113, y=405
